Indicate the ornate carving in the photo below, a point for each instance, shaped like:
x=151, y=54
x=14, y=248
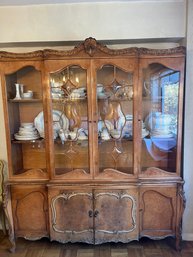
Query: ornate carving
x=31, y=238
x=117, y=240
x=153, y=171
x=49, y=52
x=181, y=194
x=156, y=237
x=88, y=240
x=90, y=46
x=30, y=55
x=120, y=196
x=6, y=202
x=53, y=209
x=33, y=173
x=181, y=207
x=176, y=50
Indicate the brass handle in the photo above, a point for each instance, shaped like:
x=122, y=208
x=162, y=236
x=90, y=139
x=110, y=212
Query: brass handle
x=90, y=214
x=96, y=213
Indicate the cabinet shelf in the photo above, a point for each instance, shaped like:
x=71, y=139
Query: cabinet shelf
x=58, y=100
x=115, y=99
x=33, y=141
x=117, y=140
x=78, y=141
x=35, y=100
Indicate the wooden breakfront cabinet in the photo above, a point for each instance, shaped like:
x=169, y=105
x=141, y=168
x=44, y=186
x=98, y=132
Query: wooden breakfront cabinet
x=94, y=155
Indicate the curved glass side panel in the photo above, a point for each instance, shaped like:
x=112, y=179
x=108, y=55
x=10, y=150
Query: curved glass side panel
x=24, y=101
x=115, y=119
x=160, y=117
x=70, y=120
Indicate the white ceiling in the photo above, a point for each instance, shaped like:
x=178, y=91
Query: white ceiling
x=36, y=2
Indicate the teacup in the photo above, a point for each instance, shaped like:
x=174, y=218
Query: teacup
x=100, y=89
x=115, y=133
x=105, y=134
x=28, y=94
x=72, y=135
x=62, y=135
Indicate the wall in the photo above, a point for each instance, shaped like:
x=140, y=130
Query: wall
x=116, y=20
x=162, y=23
x=188, y=130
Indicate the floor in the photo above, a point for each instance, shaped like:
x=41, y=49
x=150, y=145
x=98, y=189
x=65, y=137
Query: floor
x=144, y=248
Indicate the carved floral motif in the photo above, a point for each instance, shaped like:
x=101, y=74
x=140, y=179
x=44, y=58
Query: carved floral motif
x=90, y=46
x=24, y=56
x=176, y=50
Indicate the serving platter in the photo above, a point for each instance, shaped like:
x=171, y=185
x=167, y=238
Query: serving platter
x=60, y=121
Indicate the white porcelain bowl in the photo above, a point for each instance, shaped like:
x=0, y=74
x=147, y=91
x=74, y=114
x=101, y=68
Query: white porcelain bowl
x=28, y=94
x=27, y=125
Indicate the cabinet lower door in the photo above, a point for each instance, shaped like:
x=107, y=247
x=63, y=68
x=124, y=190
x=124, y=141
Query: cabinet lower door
x=115, y=215
x=29, y=204
x=157, y=211
x=71, y=215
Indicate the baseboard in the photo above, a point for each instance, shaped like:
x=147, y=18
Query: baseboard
x=187, y=236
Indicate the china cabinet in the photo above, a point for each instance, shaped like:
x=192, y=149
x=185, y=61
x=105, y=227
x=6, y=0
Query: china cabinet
x=94, y=141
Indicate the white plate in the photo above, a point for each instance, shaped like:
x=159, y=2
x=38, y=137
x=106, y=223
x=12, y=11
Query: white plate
x=26, y=130
x=60, y=121
x=27, y=125
x=19, y=137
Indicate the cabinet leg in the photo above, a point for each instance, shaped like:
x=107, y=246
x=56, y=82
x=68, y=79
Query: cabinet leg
x=178, y=243
x=8, y=215
x=13, y=247
x=181, y=202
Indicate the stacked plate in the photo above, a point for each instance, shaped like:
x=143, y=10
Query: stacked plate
x=56, y=90
x=27, y=131
x=144, y=131
x=161, y=133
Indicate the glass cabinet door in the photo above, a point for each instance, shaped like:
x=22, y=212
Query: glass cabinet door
x=114, y=93
x=70, y=121
x=23, y=90
x=160, y=105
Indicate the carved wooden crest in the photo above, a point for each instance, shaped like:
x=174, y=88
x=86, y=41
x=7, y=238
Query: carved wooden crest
x=90, y=47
